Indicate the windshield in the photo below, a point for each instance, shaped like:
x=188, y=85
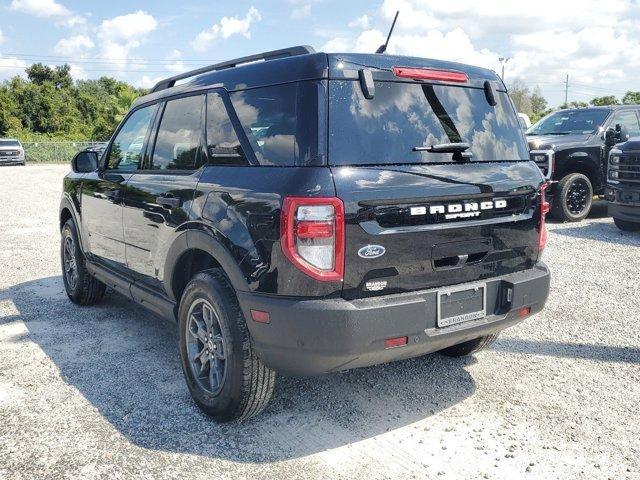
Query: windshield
x=9, y=143
x=570, y=122
x=406, y=116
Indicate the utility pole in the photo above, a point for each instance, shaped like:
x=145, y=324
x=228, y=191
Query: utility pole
x=566, y=92
x=503, y=61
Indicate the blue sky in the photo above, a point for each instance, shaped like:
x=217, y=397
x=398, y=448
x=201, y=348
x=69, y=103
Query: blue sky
x=143, y=41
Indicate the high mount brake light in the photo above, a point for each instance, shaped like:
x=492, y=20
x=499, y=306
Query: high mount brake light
x=430, y=74
x=543, y=234
x=312, y=236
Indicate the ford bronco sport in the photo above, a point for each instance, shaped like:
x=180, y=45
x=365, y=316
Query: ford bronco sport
x=311, y=213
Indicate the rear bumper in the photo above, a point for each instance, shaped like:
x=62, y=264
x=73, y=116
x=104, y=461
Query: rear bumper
x=624, y=203
x=309, y=337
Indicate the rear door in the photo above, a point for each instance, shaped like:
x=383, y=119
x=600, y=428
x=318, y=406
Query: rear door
x=158, y=197
x=418, y=219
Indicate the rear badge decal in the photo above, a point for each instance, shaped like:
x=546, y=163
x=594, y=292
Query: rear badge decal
x=467, y=209
x=376, y=285
x=371, y=251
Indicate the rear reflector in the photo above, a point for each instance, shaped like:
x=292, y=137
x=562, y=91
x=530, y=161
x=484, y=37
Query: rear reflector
x=543, y=233
x=260, y=316
x=524, y=312
x=430, y=74
x=395, y=342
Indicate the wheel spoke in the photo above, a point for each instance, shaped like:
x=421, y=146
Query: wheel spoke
x=218, y=345
x=200, y=332
x=207, y=316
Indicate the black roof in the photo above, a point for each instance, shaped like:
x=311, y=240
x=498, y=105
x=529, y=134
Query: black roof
x=303, y=63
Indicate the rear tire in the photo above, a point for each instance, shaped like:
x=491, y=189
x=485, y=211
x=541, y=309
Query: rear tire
x=627, y=226
x=223, y=373
x=573, y=199
x=472, y=346
x=81, y=287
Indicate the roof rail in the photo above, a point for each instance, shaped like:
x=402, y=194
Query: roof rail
x=272, y=55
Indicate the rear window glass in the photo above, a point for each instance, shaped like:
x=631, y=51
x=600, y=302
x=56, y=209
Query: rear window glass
x=281, y=122
x=9, y=143
x=401, y=116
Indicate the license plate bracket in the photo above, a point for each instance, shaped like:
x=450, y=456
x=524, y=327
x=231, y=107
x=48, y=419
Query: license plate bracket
x=461, y=305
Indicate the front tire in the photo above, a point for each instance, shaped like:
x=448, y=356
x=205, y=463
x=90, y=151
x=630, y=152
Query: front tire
x=573, y=199
x=81, y=288
x=627, y=226
x=223, y=373
x=472, y=346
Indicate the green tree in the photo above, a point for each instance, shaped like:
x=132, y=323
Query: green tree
x=521, y=97
x=604, y=101
x=539, y=105
x=631, y=98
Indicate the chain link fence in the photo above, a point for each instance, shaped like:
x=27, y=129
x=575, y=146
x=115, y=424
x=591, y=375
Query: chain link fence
x=38, y=152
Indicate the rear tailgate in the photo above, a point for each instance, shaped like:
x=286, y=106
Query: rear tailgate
x=491, y=231
x=417, y=216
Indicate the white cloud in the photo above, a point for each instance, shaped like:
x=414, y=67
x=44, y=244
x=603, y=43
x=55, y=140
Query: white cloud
x=119, y=35
x=301, y=11
x=227, y=27
x=545, y=42
x=363, y=22
x=177, y=65
x=48, y=9
x=148, y=82
x=76, y=46
x=10, y=67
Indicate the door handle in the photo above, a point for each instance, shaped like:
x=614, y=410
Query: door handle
x=170, y=202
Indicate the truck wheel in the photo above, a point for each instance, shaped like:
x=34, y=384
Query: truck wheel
x=224, y=376
x=573, y=199
x=626, y=225
x=81, y=287
x=469, y=347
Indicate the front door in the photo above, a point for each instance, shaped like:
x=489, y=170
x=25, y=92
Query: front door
x=158, y=197
x=102, y=191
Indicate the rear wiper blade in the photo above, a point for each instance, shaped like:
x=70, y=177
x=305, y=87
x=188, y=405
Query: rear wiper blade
x=458, y=149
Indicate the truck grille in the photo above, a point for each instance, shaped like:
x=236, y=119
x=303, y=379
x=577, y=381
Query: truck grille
x=9, y=153
x=629, y=169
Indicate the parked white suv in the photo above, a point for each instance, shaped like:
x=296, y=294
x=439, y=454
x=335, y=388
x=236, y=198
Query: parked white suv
x=11, y=152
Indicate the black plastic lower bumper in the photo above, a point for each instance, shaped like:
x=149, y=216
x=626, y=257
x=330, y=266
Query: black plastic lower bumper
x=309, y=337
x=624, y=203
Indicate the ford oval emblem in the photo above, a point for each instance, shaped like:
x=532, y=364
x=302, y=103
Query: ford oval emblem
x=371, y=251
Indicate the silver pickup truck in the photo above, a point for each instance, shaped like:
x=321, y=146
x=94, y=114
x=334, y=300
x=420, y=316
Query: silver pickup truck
x=11, y=152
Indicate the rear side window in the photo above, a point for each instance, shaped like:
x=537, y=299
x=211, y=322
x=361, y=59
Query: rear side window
x=282, y=122
x=401, y=116
x=222, y=142
x=178, y=139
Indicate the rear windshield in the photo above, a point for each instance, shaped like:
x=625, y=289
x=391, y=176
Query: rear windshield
x=9, y=143
x=401, y=116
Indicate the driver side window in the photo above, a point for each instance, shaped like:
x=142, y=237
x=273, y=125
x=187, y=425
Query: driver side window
x=629, y=120
x=127, y=148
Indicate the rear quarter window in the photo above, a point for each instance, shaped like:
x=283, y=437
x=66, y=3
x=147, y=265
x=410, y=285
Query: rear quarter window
x=282, y=122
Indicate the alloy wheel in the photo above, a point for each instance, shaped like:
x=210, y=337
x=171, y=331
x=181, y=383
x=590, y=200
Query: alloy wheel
x=206, y=347
x=577, y=196
x=70, y=264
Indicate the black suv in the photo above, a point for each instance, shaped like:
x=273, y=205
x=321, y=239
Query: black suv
x=571, y=148
x=311, y=213
x=623, y=191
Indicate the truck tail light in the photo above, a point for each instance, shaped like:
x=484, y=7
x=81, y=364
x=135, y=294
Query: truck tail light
x=543, y=234
x=430, y=74
x=312, y=236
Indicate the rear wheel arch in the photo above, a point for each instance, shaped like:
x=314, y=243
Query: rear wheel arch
x=195, y=251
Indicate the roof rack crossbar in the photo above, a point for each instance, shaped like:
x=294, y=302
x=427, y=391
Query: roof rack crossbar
x=272, y=55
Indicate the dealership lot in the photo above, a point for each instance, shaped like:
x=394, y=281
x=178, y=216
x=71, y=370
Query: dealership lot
x=96, y=392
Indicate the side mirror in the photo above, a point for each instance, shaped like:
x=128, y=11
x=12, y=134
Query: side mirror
x=85, y=161
x=610, y=137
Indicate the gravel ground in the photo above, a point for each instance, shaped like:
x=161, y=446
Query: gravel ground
x=98, y=392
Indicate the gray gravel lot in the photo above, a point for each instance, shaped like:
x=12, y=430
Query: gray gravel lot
x=98, y=392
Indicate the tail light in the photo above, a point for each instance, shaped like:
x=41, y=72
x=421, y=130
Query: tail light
x=312, y=236
x=430, y=74
x=543, y=234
